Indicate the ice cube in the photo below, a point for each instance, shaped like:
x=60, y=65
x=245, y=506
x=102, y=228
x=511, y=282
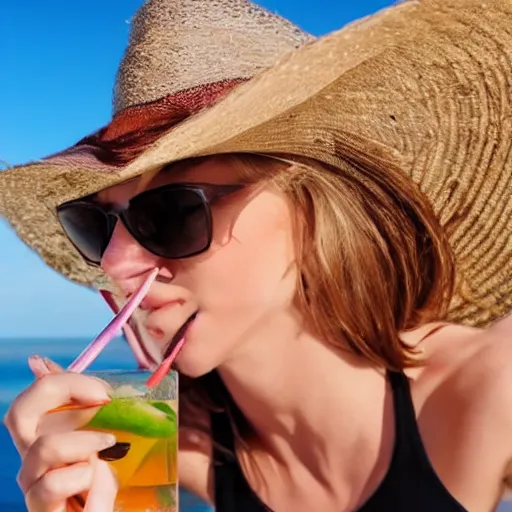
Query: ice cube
x=129, y=391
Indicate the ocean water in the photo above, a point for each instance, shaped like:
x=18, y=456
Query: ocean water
x=15, y=376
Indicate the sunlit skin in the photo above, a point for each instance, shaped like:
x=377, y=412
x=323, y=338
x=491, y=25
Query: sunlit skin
x=323, y=418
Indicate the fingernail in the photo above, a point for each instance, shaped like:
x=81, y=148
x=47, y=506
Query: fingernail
x=107, y=388
x=100, y=399
x=106, y=441
x=51, y=365
x=100, y=394
x=37, y=365
x=101, y=403
x=116, y=452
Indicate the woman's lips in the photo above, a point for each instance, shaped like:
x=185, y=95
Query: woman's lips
x=164, y=323
x=151, y=305
x=156, y=333
x=154, y=318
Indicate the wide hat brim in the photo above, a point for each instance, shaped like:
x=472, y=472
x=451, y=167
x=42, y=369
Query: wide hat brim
x=421, y=85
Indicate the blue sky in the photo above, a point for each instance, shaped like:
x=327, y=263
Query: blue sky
x=58, y=64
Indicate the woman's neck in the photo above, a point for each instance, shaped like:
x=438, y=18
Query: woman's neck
x=303, y=398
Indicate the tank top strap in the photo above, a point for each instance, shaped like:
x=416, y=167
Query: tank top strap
x=408, y=442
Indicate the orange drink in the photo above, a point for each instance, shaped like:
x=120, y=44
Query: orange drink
x=146, y=428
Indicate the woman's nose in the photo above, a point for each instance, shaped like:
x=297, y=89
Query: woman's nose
x=124, y=257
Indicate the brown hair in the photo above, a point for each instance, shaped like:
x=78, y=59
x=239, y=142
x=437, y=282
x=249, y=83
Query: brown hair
x=373, y=261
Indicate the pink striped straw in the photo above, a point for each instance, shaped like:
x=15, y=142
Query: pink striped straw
x=98, y=344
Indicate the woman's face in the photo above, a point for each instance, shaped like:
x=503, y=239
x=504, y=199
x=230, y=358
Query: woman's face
x=242, y=288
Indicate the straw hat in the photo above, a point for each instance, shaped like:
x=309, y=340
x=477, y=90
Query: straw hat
x=182, y=56
x=423, y=85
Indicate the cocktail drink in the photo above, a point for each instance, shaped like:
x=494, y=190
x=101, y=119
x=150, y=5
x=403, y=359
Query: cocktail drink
x=144, y=421
x=142, y=415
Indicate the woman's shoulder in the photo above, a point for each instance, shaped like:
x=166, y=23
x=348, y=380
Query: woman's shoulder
x=489, y=365
x=483, y=355
x=462, y=395
x=471, y=366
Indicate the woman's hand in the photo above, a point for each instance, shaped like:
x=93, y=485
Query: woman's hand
x=57, y=462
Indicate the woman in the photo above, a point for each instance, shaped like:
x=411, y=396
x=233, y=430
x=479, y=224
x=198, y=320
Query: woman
x=326, y=366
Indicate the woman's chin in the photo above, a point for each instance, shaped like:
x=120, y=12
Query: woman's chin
x=194, y=365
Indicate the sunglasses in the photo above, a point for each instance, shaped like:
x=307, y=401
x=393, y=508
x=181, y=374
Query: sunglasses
x=173, y=221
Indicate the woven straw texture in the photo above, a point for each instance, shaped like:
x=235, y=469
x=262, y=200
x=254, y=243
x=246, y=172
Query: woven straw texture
x=172, y=44
x=424, y=85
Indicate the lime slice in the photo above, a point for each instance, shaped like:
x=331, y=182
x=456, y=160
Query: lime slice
x=144, y=419
x=162, y=406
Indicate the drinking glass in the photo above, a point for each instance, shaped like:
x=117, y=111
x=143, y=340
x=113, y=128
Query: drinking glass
x=144, y=421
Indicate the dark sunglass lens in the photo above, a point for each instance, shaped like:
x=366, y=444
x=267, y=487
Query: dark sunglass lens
x=88, y=229
x=173, y=223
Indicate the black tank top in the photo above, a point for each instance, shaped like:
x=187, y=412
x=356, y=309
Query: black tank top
x=409, y=484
